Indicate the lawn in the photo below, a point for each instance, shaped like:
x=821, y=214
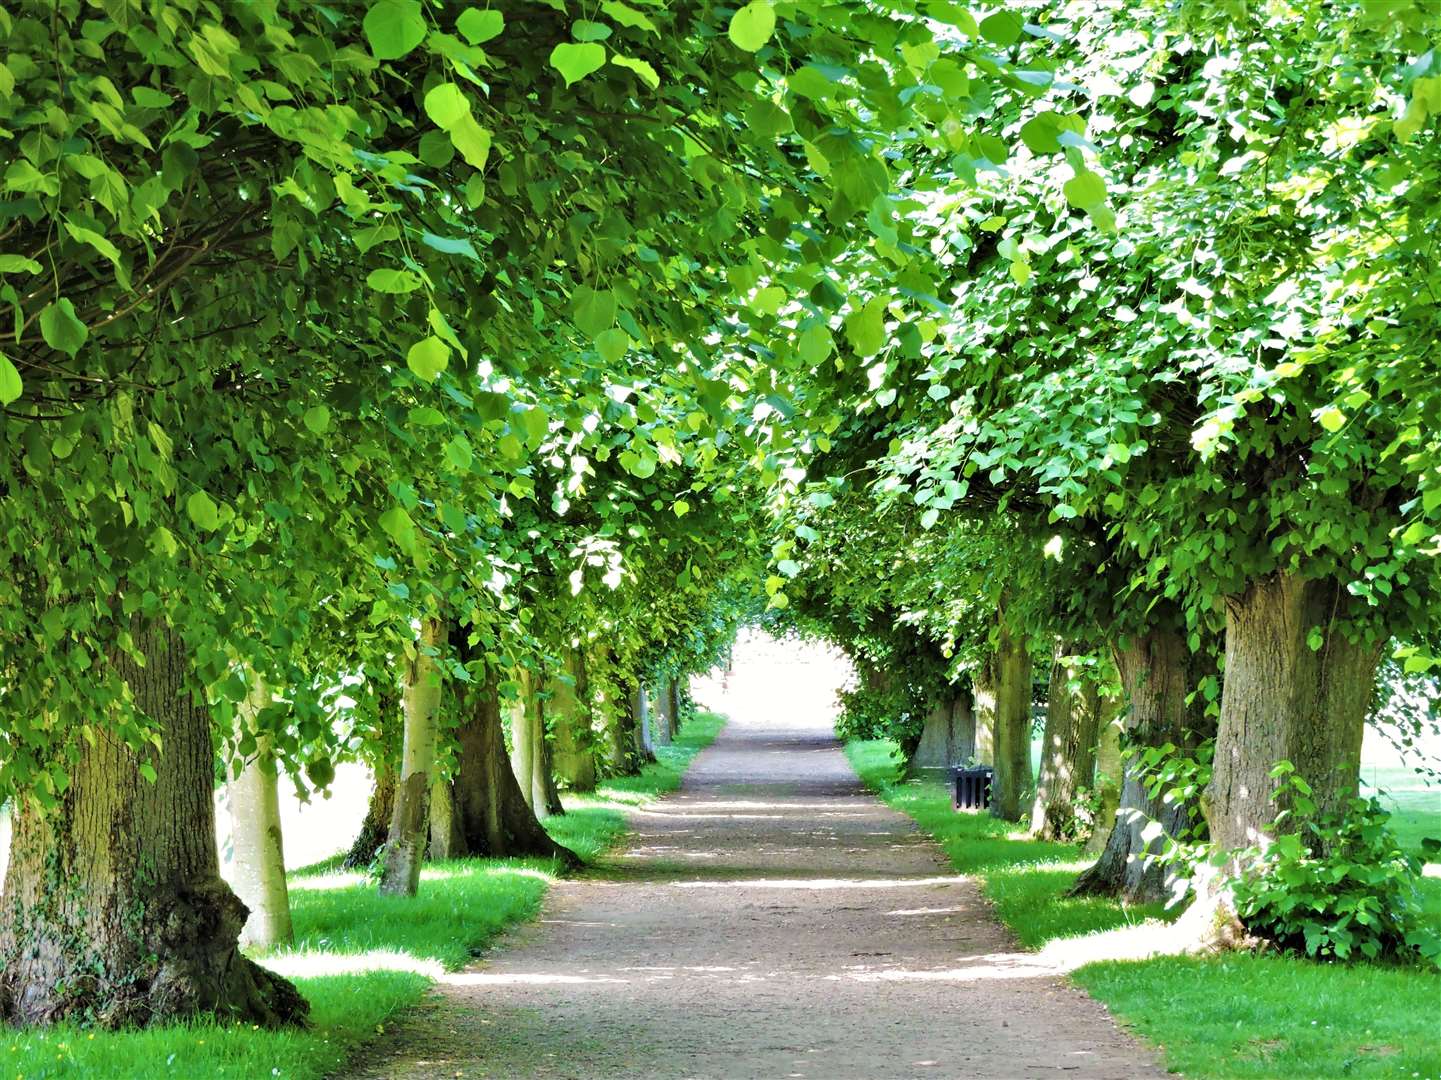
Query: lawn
x=1233, y=1016
x=359, y=957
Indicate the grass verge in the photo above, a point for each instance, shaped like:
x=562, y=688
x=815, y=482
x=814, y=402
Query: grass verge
x=1231, y=1016
x=359, y=957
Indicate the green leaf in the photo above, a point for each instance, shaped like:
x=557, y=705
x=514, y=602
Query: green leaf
x=640, y=67
x=17, y=264
x=815, y=344
x=625, y=15
x=203, y=511
x=446, y=105
x=866, y=328
x=593, y=310
x=752, y=26
x=428, y=357
x=588, y=30
x=612, y=344
x=451, y=245
x=399, y=527
x=473, y=142
x=11, y=385
x=1085, y=190
x=394, y=27
x=478, y=26
x=1331, y=418
x=317, y=419
x=60, y=327
x=392, y=281
x=575, y=62
x=1002, y=28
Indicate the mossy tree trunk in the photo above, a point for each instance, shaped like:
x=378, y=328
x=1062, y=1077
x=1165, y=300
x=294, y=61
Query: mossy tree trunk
x=1068, y=749
x=1285, y=698
x=375, y=826
x=531, y=756
x=1013, y=724
x=949, y=734
x=406, y=845
x=644, y=734
x=258, y=867
x=114, y=909
x=570, y=719
x=1108, y=775
x=1157, y=672
x=662, y=716
x=983, y=686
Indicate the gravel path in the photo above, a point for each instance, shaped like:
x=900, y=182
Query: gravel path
x=771, y=919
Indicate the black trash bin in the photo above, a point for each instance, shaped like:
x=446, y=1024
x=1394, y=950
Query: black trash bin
x=972, y=787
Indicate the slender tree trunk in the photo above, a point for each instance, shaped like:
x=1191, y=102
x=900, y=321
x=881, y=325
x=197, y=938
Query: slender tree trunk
x=1156, y=670
x=570, y=718
x=663, y=726
x=640, y=708
x=1108, y=775
x=1068, y=750
x=1283, y=700
x=114, y=909
x=259, y=864
x=677, y=705
x=523, y=741
x=983, y=683
x=549, y=790
x=489, y=805
x=624, y=737
x=405, y=849
x=1013, y=725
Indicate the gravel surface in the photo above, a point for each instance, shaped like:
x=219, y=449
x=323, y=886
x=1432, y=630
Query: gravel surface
x=770, y=919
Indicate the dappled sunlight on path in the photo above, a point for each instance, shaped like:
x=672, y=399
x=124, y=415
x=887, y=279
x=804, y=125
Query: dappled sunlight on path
x=769, y=919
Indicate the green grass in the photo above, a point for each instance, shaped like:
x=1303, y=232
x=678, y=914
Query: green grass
x=1233, y=1016
x=359, y=957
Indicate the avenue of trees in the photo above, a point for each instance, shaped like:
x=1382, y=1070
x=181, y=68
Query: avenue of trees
x=436, y=385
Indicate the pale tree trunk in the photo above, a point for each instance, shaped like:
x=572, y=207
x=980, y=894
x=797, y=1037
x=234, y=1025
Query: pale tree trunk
x=1108, y=775
x=1013, y=725
x=569, y=712
x=983, y=683
x=447, y=840
x=1157, y=672
x=1282, y=700
x=663, y=720
x=114, y=910
x=640, y=709
x=258, y=867
x=489, y=806
x=405, y=848
x=1068, y=750
x=532, y=757
x=949, y=735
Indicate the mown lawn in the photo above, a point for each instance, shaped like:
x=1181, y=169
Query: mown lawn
x=359, y=957
x=1231, y=1016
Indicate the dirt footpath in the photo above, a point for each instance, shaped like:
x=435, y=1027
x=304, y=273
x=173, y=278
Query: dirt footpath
x=771, y=919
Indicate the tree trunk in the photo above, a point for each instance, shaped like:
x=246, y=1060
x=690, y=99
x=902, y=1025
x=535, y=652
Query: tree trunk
x=677, y=706
x=663, y=726
x=569, y=715
x=114, y=909
x=949, y=735
x=624, y=737
x=376, y=825
x=259, y=864
x=1068, y=751
x=1156, y=669
x=1108, y=775
x=983, y=684
x=644, y=738
x=1283, y=700
x=447, y=840
x=532, y=758
x=1013, y=725
x=490, y=808
x=405, y=848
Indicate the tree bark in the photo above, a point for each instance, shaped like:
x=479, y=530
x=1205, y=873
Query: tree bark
x=624, y=737
x=1068, y=751
x=114, y=909
x=677, y=706
x=1283, y=700
x=532, y=756
x=569, y=715
x=447, y=839
x=949, y=735
x=489, y=806
x=983, y=685
x=1013, y=725
x=1156, y=670
x=405, y=848
x=663, y=720
x=376, y=825
x=259, y=863
x=644, y=738
x=1108, y=775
